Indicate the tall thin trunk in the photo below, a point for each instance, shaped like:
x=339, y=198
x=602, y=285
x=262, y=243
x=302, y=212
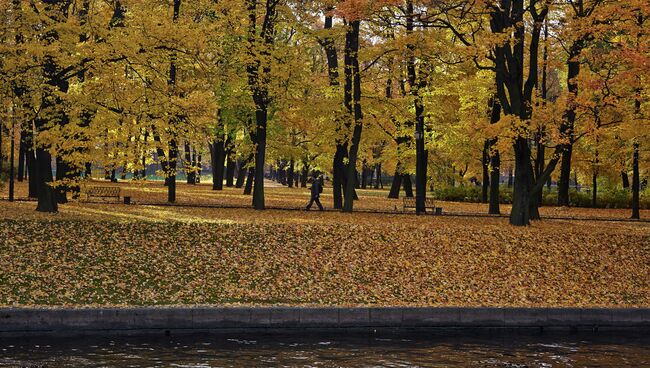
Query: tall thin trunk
x=12, y=143
x=231, y=166
x=241, y=173
x=485, y=161
x=625, y=179
x=248, y=188
x=47, y=201
x=408, y=185
x=338, y=167
x=416, y=83
x=568, y=130
x=173, y=147
x=636, y=183
x=260, y=154
x=218, y=160
x=495, y=162
x=304, y=175
x=495, y=178
x=258, y=70
x=353, y=105
x=231, y=163
x=594, y=189
x=190, y=174
x=22, y=150
x=395, y=186
x=171, y=184
x=290, y=173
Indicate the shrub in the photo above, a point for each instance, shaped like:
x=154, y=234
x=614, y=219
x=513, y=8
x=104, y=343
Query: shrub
x=458, y=194
x=609, y=198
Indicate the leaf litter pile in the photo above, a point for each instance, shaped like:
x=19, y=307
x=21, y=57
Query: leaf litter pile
x=90, y=255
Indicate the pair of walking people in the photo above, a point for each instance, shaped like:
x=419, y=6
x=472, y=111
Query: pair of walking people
x=316, y=190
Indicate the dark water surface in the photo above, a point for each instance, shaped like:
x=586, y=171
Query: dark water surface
x=317, y=350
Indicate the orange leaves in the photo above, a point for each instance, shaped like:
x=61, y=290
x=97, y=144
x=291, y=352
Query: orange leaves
x=361, y=9
x=88, y=255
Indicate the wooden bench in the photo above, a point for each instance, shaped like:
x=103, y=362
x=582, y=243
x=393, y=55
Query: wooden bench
x=409, y=202
x=103, y=192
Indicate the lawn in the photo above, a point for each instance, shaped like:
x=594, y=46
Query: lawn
x=108, y=254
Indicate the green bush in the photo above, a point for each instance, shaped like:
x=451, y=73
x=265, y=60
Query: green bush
x=458, y=194
x=4, y=178
x=609, y=198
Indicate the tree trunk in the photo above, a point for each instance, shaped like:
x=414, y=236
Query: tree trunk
x=636, y=183
x=241, y=173
x=494, y=161
x=250, y=178
x=260, y=154
x=171, y=185
x=47, y=201
x=364, y=175
x=521, y=197
x=594, y=190
x=626, y=180
x=173, y=146
x=338, y=167
x=338, y=176
x=218, y=160
x=189, y=169
x=408, y=185
x=495, y=179
x=304, y=175
x=258, y=70
x=568, y=130
x=485, y=184
x=230, y=170
x=397, y=183
x=416, y=83
x=160, y=152
x=12, y=150
x=32, y=169
x=21, y=156
x=353, y=104
x=290, y=173
x=565, y=177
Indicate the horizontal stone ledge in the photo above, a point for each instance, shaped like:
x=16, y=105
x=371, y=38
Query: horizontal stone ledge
x=34, y=320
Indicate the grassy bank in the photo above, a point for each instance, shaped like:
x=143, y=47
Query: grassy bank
x=133, y=255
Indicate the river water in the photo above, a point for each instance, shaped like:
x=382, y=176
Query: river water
x=361, y=350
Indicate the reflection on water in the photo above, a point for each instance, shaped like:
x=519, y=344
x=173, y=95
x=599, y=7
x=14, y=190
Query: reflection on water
x=386, y=350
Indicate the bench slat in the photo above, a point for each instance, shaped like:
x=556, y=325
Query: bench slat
x=103, y=192
x=411, y=202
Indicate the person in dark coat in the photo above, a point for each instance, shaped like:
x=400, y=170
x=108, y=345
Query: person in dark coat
x=316, y=190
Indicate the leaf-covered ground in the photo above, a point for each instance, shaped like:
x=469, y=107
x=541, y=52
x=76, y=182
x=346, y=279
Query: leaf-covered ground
x=92, y=254
x=276, y=196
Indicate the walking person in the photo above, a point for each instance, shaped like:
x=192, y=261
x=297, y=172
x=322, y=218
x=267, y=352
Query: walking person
x=316, y=190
